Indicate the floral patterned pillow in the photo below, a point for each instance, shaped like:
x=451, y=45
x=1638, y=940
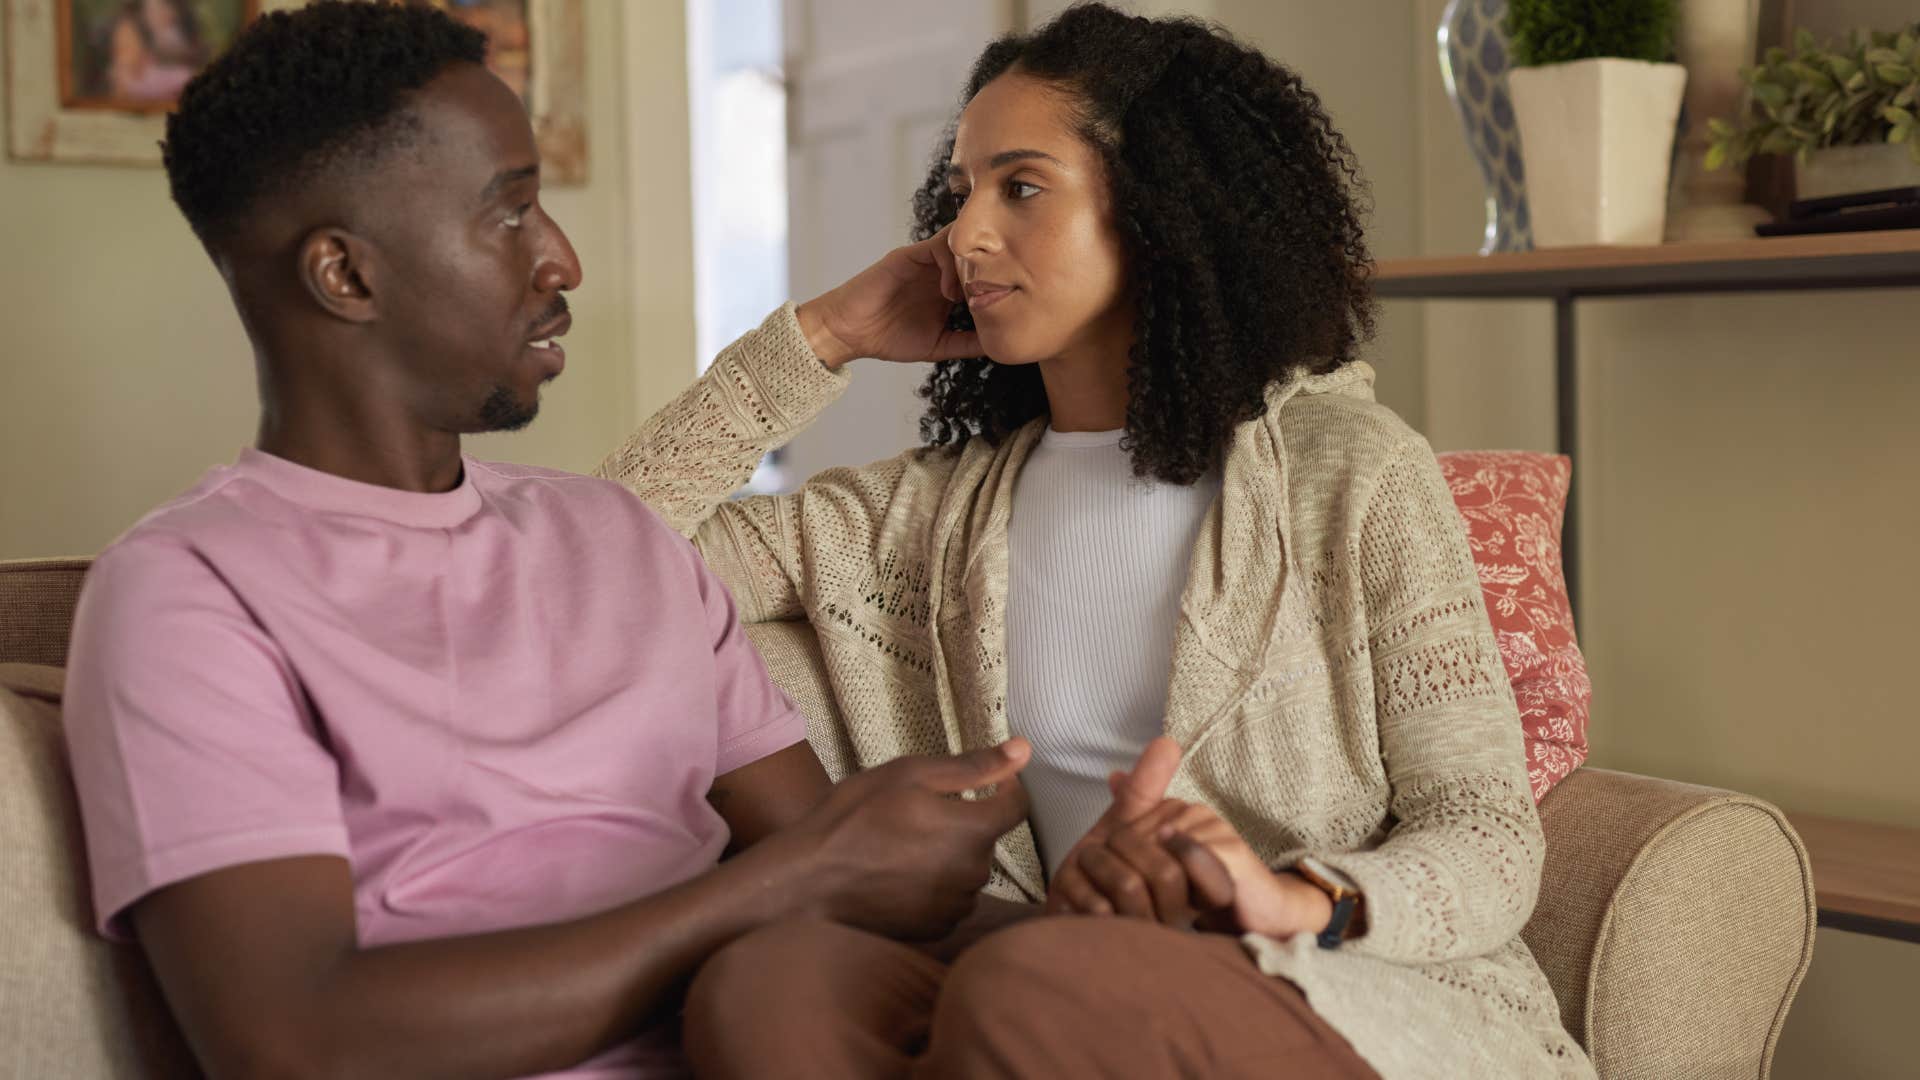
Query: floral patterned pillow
x=1513, y=504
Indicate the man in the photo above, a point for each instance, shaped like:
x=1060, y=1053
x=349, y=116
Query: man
x=402, y=764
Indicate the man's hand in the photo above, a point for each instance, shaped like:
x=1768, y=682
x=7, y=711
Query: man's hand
x=1134, y=872
x=1261, y=900
x=894, y=851
x=1178, y=863
x=896, y=309
x=1135, y=795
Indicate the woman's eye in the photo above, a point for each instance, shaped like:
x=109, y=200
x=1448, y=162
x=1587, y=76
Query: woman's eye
x=959, y=196
x=1020, y=189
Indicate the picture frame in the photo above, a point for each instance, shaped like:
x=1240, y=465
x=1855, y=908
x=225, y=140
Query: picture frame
x=70, y=98
x=136, y=55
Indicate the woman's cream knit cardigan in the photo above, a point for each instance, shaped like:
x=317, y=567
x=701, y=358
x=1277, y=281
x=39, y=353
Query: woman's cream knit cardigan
x=1336, y=685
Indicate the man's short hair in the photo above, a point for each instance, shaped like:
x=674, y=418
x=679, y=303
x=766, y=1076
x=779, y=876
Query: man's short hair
x=298, y=92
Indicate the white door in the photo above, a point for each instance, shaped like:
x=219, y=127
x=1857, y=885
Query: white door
x=871, y=85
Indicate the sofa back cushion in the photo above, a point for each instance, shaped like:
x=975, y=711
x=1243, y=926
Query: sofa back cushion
x=76, y=1005
x=37, y=600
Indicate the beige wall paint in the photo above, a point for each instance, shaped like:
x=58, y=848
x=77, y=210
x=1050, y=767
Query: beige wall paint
x=1746, y=476
x=125, y=372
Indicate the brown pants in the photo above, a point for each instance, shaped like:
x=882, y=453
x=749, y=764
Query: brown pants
x=1048, y=997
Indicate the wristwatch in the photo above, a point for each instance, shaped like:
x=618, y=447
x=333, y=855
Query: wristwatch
x=1341, y=889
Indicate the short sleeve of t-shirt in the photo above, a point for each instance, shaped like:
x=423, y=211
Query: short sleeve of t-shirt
x=755, y=718
x=192, y=747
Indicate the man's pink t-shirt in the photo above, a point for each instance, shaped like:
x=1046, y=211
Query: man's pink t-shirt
x=504, y=704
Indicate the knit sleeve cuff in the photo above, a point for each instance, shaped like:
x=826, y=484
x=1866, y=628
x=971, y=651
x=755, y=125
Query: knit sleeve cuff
x=793, y=384
x=1380, y=892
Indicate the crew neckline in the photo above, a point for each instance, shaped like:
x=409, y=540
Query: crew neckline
x=1079, y=440
x=327, y=492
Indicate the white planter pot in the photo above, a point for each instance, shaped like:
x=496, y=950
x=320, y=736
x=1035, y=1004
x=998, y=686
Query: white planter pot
x=1844, y=170
x=1597, y=138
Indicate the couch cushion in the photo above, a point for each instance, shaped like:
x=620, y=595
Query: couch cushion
x=76, y=1005
x=1513, y=504
x=37, y=598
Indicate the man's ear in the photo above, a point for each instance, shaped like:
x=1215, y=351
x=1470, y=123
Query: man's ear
x=338, y=270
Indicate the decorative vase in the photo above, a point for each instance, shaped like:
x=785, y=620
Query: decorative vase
x=1597, y=139
x=1848, y=170
x=1473, y=62
x=1716, y=38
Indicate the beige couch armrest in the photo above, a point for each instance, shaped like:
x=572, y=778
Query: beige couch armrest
x=1675, y=923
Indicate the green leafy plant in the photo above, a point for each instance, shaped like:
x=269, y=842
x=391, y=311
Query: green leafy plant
x=1561, y=31
x=1865, y=92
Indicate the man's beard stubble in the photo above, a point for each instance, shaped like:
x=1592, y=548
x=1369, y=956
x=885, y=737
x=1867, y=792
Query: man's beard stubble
x=503, y=412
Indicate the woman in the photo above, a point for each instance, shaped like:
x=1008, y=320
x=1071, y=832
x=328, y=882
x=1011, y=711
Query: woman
x=1161, y=501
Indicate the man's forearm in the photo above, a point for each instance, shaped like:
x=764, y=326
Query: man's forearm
x=533, y=1000
x=510, y=1003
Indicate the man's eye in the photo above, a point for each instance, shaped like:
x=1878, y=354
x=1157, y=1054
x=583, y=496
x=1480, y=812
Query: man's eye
x=512, y=221
x=1020, y=189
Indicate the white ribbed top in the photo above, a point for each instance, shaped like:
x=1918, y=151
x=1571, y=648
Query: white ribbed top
x=1097, y=563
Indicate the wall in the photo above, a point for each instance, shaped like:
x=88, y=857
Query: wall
x=1745, y=478
x=125, y=373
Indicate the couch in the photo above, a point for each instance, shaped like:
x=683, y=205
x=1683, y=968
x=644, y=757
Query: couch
x=1675, y=921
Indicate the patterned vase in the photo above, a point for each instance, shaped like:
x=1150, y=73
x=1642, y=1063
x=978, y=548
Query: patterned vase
x=1473, y=61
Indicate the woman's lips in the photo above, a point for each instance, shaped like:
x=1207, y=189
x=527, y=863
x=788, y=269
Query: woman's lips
x=980, y=298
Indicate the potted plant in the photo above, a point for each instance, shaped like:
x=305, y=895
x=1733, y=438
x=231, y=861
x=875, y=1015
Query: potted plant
x=1842, y=111
x=1598, y=103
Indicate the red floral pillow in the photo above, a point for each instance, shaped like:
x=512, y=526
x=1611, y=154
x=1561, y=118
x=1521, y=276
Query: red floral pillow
x=1513, y=503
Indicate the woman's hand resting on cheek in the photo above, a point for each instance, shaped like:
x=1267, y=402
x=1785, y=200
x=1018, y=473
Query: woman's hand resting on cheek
x=896, y=309
x=1178, y=863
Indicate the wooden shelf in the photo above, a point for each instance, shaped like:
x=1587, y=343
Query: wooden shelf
x=1866, y=876
x=1839, y=260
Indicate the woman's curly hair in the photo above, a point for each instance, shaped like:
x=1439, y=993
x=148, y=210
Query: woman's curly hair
x=1239, y=209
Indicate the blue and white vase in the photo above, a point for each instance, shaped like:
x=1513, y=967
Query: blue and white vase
x=1473, y=61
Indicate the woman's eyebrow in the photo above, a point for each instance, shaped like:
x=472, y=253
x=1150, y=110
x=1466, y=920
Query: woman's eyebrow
x=1004, y=158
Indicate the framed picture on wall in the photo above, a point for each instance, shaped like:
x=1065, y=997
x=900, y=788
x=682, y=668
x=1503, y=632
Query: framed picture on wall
x=92, y=80
x=538, y=47
x=136, y=55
